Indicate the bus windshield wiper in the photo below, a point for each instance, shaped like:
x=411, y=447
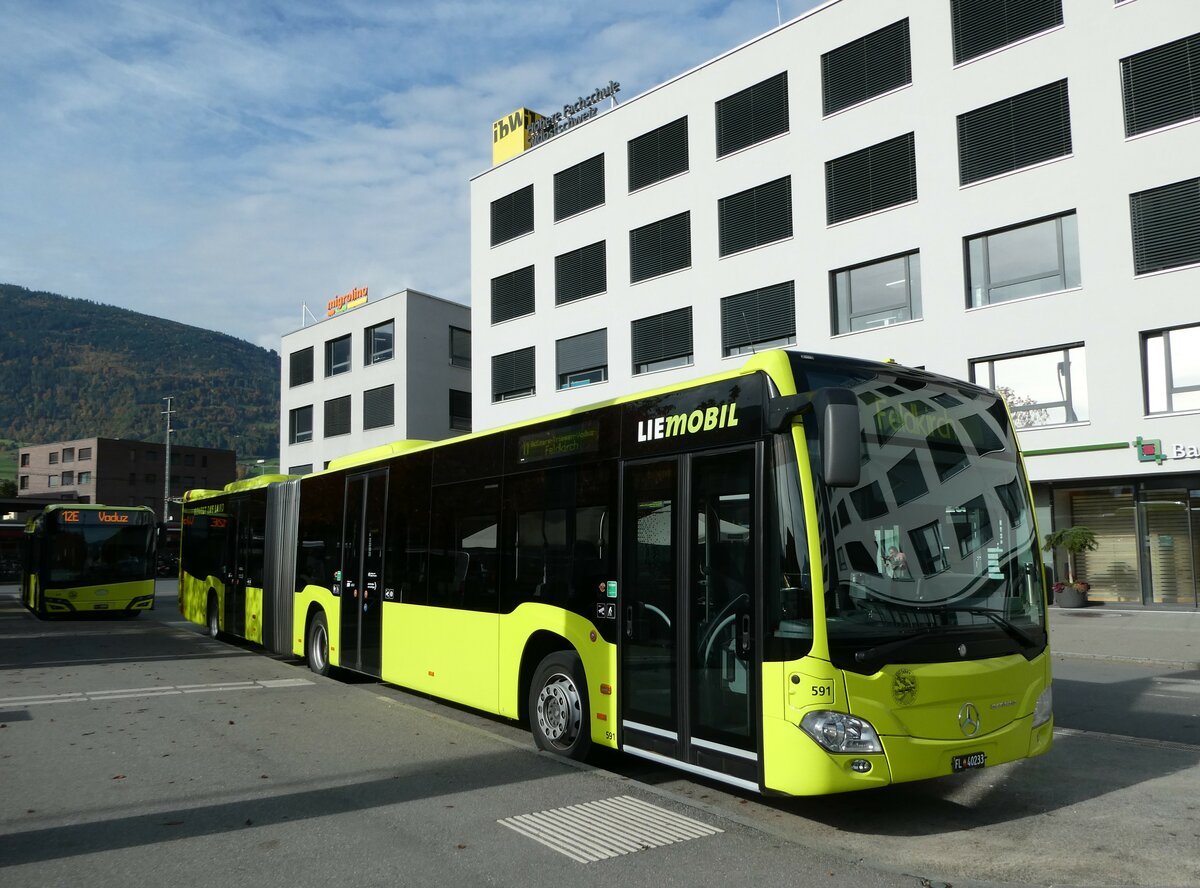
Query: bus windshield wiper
x=1007, y=625
x=890, y=647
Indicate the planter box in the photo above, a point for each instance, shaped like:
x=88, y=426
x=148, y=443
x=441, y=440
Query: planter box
x=1069, y=597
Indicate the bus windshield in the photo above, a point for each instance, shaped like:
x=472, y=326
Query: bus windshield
x=933, y=553
x=86, y=550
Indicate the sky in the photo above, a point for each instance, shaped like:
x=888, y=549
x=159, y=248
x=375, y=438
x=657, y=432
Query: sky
x=223, y=164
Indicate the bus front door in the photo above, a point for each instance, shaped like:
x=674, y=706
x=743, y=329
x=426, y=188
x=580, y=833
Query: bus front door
x=362, y=571
x=688, y=647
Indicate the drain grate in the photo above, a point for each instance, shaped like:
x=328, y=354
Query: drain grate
x=607, y=828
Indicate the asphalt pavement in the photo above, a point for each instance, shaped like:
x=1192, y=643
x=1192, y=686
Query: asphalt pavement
x=1152, y=637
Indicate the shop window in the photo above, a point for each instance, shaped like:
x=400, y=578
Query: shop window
x=1041, y=388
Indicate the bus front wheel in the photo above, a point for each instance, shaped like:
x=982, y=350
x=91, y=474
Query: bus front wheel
x=317, y=649
x=558, y=706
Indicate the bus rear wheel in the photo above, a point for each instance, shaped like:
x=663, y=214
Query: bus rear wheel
x=558, y=706
x=317, y=648
x=214, y=618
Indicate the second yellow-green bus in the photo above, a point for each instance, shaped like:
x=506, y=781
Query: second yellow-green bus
x=809, y=575
x=86, y=558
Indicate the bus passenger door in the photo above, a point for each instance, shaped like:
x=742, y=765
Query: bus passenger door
x=688, y=651
x=362, y=571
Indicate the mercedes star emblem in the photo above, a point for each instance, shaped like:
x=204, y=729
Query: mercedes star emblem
x=968, y=720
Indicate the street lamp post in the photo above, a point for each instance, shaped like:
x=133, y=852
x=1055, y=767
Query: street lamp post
x=166, y=513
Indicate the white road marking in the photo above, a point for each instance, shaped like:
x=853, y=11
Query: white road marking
x=160, y=691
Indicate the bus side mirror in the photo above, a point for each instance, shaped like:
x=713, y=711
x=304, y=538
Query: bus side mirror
x=837, y=411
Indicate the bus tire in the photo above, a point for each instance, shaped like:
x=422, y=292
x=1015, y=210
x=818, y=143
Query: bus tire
x=213, y=617
x=558, y=706
x=316, y=648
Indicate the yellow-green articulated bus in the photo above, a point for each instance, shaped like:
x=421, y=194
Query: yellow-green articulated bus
x=81, y=558
x=810, y=575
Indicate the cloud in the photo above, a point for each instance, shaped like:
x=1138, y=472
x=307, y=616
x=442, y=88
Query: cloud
x=222, y=163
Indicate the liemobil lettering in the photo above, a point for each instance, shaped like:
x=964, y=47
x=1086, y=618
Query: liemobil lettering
x=703, y=419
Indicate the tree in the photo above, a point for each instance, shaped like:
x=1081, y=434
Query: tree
x=1072, y=540
x=8, y=487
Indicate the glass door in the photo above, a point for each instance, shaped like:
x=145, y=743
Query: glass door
x=688, y=647
x=362, y=571
x=1168, y=547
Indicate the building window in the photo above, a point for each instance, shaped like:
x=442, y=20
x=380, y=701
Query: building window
x=579, y=188
x=85, y=478
x=24, y=483
x=151, y=456
x=379, y=407
x=1166, y=226
x=24, y=459
x=660, y=247
x=337, y=355
x=512, y=295
x=513, y=375
x=189, y=459
x=757, y=319
x=305, y=469
x=580, y=273
x=753, y=115
x=460, y=410
x=867, y=67
x=979, y=26
x=460, y=347
x=85, y=453
x=54, y=457
x=300, y=367
x=878, y=293
x=379, y=343
x=512, y=215
x=1171, y=365
x=337, y=416
x=583, y=359
x=68, y=479
x=68, y=454
x=52, y=481
x=659, y=154
x=662, y=342
x=1041, y=388
x=1161, y=86
x=300, y=425
x=1026, y=260
x=872, y=179
x=1014, y=133
x=756, y=216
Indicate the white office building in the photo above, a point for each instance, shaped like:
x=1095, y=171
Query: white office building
x=374, y=372
x=1006, y=191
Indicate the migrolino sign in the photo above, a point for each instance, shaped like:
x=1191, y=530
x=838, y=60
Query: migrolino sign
x=347, y=301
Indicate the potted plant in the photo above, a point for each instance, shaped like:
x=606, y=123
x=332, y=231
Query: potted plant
x=1073, y=540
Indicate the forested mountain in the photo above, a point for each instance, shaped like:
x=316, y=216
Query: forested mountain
x=71, y=368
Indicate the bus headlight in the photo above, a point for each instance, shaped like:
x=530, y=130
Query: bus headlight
x=839, y=732
x=1044, y=708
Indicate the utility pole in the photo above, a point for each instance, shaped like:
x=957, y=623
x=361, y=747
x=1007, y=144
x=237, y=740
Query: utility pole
x=166, y=513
